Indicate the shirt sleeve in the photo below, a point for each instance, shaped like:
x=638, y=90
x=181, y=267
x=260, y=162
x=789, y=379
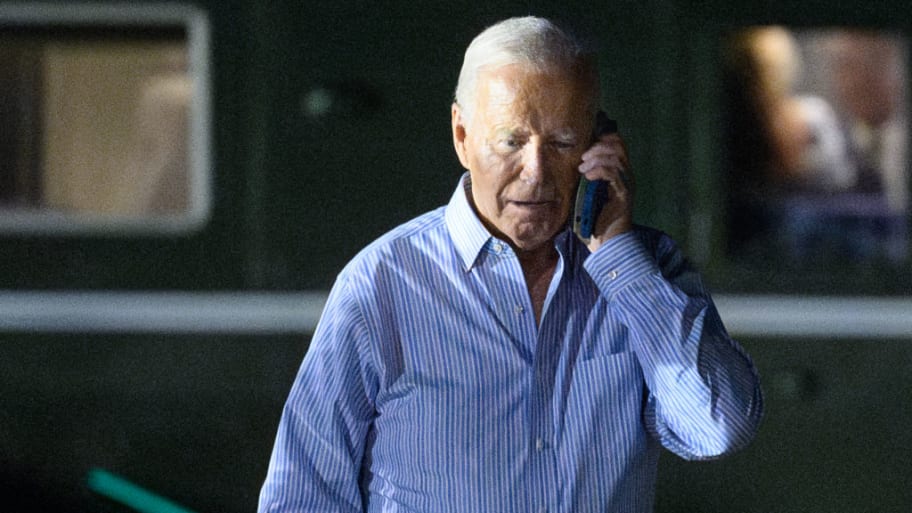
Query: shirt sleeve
x=319, y=447
x=704, y=392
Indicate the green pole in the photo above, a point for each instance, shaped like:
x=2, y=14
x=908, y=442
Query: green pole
x=119, y=489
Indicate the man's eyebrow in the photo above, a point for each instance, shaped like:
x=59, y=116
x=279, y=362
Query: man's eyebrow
x=505, y=131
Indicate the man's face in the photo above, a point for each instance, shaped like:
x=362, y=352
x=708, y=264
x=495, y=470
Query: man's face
x=522, y=147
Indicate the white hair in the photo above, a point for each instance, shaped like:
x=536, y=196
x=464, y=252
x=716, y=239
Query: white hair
x=529, y=41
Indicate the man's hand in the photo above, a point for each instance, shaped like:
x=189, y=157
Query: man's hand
x=607, y=160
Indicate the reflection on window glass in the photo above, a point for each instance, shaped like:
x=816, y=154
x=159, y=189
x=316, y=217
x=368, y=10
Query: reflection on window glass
x=101, y=124
x=115, y=128
x=817, y=144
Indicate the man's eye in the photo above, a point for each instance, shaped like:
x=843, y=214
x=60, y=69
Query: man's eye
x=563, y=145
x=510, y=144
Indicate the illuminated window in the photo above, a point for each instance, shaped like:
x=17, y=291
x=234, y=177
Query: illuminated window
x=817, y=145
x=106, y=119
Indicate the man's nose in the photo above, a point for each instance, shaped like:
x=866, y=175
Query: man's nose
x=533, y=164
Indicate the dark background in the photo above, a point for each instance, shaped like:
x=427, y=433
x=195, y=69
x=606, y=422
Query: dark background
x=193, y=416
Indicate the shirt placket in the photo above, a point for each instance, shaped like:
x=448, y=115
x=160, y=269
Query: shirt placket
x=514, y=308
x=510, y=296
x=543, y=462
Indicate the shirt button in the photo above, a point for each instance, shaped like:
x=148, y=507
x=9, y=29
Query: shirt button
x=539, y=444
x=612, y=275
x=519, y=309
x=498, y=248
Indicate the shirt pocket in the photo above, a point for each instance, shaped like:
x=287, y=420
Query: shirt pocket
x=607, y=390
x=604, y=427
x=604, y=337
x=608, y=370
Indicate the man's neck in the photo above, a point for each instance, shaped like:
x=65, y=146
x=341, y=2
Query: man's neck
x=538, y=267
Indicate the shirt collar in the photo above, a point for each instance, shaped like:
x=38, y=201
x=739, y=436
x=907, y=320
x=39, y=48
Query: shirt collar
x=468, y=234
x=471, y=237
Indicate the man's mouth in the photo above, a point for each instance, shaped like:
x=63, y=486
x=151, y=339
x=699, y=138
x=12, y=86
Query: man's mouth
x=531, y=203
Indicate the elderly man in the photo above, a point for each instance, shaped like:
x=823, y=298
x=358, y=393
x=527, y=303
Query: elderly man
x=482, y=358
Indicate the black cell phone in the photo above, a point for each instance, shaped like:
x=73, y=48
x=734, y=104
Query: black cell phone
x=592, y=195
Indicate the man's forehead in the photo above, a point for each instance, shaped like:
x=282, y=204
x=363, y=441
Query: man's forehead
x=519, y=93
x=499, y=87
x=518, y=81
x=520, y=73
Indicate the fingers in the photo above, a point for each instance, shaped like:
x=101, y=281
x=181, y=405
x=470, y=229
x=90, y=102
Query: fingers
x=607, y=160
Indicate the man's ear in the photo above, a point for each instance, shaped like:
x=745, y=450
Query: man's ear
x=459, y=135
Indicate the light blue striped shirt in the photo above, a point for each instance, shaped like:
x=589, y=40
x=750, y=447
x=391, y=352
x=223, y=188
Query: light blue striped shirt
x=429, y=388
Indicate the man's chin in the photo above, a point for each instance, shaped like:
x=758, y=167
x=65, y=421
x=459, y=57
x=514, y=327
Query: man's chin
x=533, y=238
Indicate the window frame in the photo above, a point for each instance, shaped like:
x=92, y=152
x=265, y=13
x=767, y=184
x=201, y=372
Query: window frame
x=124, y=18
